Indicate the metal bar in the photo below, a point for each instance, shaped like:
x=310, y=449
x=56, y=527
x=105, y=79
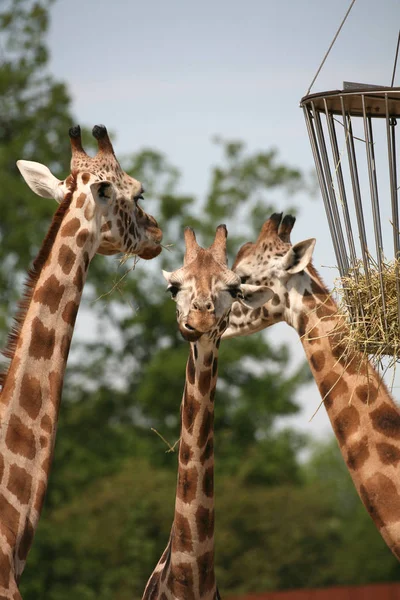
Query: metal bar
x=318, y=166
x=373, y=184
x=341, y=185
x=331, y=199
x=391, y=141
x=334, y=192
x=355, y=182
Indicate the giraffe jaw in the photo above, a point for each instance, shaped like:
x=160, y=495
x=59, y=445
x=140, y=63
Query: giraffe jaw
x=189, y=333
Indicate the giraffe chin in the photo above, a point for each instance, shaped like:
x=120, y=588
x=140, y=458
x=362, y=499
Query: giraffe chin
x=150, y=253
x=190, y=335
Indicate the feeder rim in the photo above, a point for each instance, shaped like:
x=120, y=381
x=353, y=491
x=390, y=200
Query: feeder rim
x=374, y=98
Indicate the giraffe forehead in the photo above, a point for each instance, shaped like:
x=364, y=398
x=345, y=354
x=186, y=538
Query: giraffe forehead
x=107, y=167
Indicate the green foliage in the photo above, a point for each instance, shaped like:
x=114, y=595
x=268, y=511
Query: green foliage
x=34, y=120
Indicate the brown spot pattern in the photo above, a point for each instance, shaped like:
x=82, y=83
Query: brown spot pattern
x=381, y=499
x=66, y=259
x=82, y=237
x=357, y=454
x=208, y=450
x=85, y=178
x=9, y=518
x=5, y=570
x=388, y=454
x=182, y=537
x=70, y=228
x=313, y=335
x=187, y=484
x=55, y=382
x=206, y=427
x=31, y=395
x=46, y=424
x=367, y=393
x=302, y=325
x=50, y=294
x=185, y=452
x=180, y=581
x=275, y=300
x=26, y=540
x=20, y=483
x=206, y=573
x=69, y=313
x=204, y=382
x=1, y=466
x=386, y=420
x=64, y=346
x=346, y=423
x=208, y=482
x=215, y=367
x=42, y=340
x=317, y=360
x=79, y=279
x=80, y=200
x=208, y=359
x=40, y=494
x=153, y=586
x=333, y=385
x=190, y=410
x=20, y=438
x=204, y=523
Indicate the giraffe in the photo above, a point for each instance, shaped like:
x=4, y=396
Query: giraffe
x=204, y=290
x=364, y=417
x=98, y=212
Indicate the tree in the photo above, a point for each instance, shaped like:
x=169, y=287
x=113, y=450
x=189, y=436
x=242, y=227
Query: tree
x=34, y=120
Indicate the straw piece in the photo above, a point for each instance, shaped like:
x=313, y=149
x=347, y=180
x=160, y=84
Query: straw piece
x=361, y=301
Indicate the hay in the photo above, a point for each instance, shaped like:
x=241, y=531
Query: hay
x=374, y=327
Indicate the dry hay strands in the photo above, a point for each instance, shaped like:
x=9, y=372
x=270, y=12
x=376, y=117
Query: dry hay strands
x=373, y=317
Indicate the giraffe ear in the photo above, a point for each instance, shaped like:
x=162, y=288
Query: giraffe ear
x=40, y=179
x=167, y=275
x=103, y=193
x=299, y=256
x=254, y=296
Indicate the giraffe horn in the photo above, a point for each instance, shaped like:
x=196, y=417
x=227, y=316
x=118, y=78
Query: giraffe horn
x=285, y=228
x=218, y=247
x=271, y=225
x=103, y=141
x=76, y=141
x=192, y=247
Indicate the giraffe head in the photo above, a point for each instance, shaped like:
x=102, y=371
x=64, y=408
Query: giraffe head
x=125, y=227
x=204, y=289
x=272, y=261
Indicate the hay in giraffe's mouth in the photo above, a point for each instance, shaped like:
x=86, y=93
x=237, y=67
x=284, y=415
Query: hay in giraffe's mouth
x=371, y=304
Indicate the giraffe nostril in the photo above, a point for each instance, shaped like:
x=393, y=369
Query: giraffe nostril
x=209, y=306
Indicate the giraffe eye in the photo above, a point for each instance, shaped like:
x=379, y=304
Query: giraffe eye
x=173, y=289
x=244, y=278
x=235, y=292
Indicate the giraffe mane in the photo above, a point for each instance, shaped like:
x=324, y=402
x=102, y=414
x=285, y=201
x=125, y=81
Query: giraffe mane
x=32, y=278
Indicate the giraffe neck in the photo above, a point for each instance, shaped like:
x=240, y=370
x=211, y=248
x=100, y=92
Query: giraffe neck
x=186, y=569
x=30, y=396
x=365, y=420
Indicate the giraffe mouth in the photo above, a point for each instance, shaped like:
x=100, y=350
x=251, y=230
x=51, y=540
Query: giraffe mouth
x=189, y=333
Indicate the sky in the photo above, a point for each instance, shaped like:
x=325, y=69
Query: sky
x=171, y=75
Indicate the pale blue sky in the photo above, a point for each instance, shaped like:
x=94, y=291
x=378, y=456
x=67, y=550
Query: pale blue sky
x=171, y=75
